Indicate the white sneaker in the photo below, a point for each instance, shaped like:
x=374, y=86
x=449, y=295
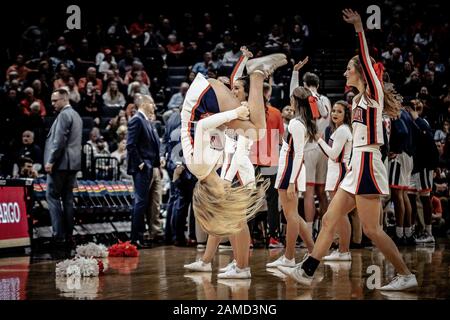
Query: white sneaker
x=299, y=275
x=338, y=256
x=286, y=270
x=199, y=266
x=425, y=238
x=401, y=283
x=267, y=64
x=281, y=261
x=228, y=266
x=235, y=273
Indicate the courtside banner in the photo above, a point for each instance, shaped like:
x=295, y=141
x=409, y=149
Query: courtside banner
x=13, y=217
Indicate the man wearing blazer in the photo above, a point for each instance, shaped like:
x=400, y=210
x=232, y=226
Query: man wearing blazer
x=62, y=159
x=143, y=157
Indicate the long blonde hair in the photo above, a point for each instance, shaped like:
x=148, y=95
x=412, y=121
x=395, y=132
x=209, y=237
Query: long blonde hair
x=392, y=100
x=224, y=216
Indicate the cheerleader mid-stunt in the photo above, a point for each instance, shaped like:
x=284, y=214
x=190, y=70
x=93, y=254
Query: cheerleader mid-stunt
x=209, y=108
x=367, y=179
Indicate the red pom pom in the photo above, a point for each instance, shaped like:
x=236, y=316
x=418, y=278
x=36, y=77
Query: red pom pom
x=123, y=249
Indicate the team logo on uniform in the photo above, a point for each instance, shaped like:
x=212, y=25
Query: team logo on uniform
x=358, y=115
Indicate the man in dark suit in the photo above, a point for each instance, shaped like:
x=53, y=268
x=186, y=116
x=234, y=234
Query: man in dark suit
x=62, y=158
x=143, y=157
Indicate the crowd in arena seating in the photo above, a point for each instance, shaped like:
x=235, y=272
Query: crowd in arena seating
x=103, y=71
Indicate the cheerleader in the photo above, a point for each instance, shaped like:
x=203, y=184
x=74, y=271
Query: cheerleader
x=338, y=150
x=315, y=161
x=366, y=180
x=227, y=214
x=291, y=175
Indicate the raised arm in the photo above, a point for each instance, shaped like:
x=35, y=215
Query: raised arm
x=374, y=84
x=295, y=79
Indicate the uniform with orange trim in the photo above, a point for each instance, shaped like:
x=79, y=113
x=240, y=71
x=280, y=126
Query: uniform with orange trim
x=202, y=142
x=338, y=151
x=290, y=166
x=367, y=173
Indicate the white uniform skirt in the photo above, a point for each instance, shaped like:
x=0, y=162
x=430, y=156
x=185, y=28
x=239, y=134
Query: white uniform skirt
x=367, y=173
x=285, y=169
x=335, y=174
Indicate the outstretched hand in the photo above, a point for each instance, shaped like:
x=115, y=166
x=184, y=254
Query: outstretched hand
x=246, y=53
x=301, y=64
x=351, y=16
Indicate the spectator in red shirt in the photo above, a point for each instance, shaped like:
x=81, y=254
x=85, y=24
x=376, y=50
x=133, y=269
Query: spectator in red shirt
x=265, y=154
x=20, y=67
x=29, y=100
x=91, y=76
x=137, y=68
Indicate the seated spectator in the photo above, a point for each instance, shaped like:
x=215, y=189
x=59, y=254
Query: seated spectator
x=423, y=38
x=113, y=98
x=62, y=76
x=62, y=56
x=441, y=134
x=274, y=39
x=91, y=102
x=85, y=57
x=121, y=155
x=119, y=135
x=230, y=58
x=137, y=70
x=137, y=87
x=105, y=65
x=72, y=88
x=30, y=150
x=41, y=91
x=34, y=121
x=29, y=100
x=177, y=99
x=138, y=28
x=91, y=148
x=26, y=169
x=91, y=76
x=20, y=67
x=174, y=47
x=202, y=67
x=100, y=56
x=126, y=63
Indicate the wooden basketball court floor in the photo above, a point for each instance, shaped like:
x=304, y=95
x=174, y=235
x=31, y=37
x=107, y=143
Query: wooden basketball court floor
x=158, y=274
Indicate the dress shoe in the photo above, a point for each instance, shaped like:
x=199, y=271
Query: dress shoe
x=141, y=245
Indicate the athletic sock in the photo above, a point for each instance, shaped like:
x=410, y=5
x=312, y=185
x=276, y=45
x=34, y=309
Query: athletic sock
x=428, y=229
x=399, y=232
x=408, y=232
x=310, y=265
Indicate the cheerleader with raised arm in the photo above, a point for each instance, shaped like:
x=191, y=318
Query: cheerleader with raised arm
x=291, y=177
x=366, y=180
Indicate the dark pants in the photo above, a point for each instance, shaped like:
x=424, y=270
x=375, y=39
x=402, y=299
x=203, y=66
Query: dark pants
x=142, y=181
x=169, y=230
x=180, y=211
x=60, y=186
x=273, y=215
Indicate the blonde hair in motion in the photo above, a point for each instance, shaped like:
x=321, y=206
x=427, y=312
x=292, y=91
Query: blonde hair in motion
x=224, y=216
